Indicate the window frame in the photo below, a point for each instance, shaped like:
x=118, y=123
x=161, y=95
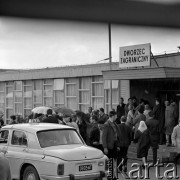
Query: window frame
x=19, y=145
x=7, y=137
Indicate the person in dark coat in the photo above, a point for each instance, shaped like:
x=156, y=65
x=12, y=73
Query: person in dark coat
x=84, y=126
x=141, y=105
x=130, y=102
x=94, y=132
x=124, y=141
x=5, y=173
x=171, y=115
x=50, y=118
x=143, y=142
x=90, y=112
x=1, y=122
x=153, y=125
x=159, y=114
x=110, y=136
x=120, y=110
x=13, y=119
x=102, y=116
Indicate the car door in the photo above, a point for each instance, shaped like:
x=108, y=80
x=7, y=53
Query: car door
x=17, y=151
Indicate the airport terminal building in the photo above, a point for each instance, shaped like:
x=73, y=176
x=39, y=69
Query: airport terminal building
x=79, y=87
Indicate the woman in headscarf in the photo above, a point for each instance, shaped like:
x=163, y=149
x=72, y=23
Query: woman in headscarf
x=176, y=141
x=143, y=142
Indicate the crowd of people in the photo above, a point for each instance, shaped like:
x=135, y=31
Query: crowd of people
x=112, y=133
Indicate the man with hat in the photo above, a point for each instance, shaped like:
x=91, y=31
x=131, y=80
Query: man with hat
x=110, y=137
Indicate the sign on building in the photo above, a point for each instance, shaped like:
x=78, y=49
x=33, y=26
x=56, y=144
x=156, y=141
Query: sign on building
x=135, y=56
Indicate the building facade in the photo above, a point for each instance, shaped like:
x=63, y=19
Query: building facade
x=79, y=87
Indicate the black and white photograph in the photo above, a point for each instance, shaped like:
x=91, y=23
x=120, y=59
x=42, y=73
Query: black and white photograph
x=89, y=89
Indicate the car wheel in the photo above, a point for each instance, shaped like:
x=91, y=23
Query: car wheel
x=30, y=173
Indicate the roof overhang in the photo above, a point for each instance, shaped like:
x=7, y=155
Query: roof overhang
x=143, y=73
x=155, y=13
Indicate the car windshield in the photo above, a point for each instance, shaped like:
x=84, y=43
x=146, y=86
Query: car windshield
x=58, y=137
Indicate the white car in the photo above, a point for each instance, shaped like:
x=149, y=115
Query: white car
x=48, y=151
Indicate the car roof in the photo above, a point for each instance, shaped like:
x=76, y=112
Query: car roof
x=35, y=127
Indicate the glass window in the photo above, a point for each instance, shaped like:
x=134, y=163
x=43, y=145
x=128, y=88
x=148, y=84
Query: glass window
x=9, y=102
x=58, y=84
x=115, y=94
x=59, y=97
x=9, y=92
x=28, y=83
x=9, y=112
x=38, y=85
x=84, y=97
x=58, y=137
x=85, y=83
x=84, y=90
x=48, y=91
x=38, y=96
x=2, y=96
x=27, y=103
x=97, y=79
x=19, y=138
x=9, y=83
x=17, y=96
x=48, y=81
x=71, y=90
x=2, y=86
x=72, y=103
x=18, y=85
x=97, y=89
x=97, y=92
x=48, y=101
x=18, y=108
x=27, y=91
x=97, y=103
x=4, y=136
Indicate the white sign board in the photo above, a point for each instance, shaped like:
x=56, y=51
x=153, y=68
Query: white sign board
x=134, y=56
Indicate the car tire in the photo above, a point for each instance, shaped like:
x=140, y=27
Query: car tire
x=30, y=173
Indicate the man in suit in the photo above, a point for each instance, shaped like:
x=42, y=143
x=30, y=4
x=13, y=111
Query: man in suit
x=94, y=132
x=110, y=136
x=102, y=116
x=50, y=118
x=120, y=110
x=110, y=139
x=124, y=141
x=153, y=126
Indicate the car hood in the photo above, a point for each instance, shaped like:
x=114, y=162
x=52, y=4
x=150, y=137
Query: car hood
x=73, y=152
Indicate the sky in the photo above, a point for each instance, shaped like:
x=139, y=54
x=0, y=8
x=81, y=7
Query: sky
x=31, y=44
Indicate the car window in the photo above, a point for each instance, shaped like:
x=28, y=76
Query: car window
x=58, y=137
x=4, y=136
x=19, y=138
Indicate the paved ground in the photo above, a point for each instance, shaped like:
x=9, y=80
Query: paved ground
x=152, y=173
